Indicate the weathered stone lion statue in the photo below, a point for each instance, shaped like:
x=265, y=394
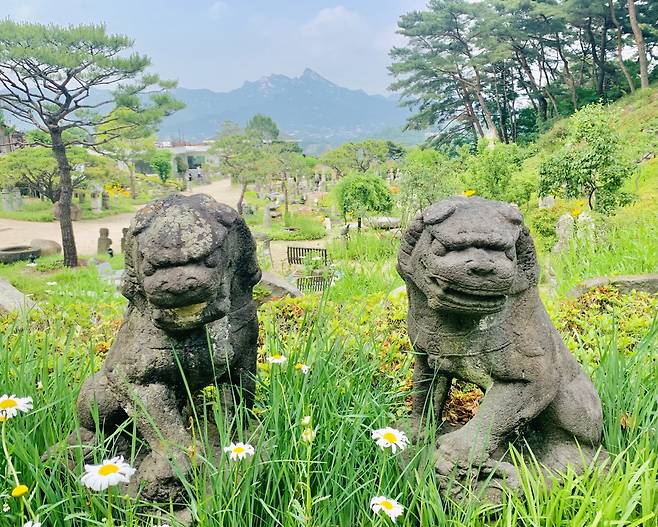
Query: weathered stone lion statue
x=474, y=314
x=189, y=273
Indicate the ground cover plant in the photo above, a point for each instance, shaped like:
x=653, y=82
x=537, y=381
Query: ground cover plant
x=330, y=374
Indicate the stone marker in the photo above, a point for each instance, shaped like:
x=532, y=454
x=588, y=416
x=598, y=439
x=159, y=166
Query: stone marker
x=384, y=222
x=47, y=247
x=6, y=200
x=124, y=233
x=11, y=299
x=96, y=199
x=475, y=314
x=190, y=267
x=564, y=229
x=105, y=200
x=17, y=199
x=104, y=241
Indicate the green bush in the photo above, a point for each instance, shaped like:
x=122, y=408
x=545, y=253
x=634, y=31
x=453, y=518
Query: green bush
x=362, y=194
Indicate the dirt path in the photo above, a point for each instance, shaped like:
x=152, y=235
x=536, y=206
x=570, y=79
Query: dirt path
x=13, y=232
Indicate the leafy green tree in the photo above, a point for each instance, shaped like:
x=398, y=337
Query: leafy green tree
x=357, y=156
x=264, y=127
x=48, y=75
x=37, y=169
x=591, y=164
x=491, y=170
x=426, y=176
x=242, y=156
x=161, y=163
x=128, y=146
x=363, y=194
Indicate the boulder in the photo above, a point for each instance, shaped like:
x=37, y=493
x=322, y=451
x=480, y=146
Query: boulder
x=384, y=222
x=278, y=287
x=76, y=213
x=47, y=247
x=11, y=299
x=647, y=283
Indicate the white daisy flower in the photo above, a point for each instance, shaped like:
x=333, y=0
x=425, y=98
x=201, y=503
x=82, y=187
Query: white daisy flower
x=304, y=368
x=6, y=508
x=306, y=421
x=10, y=405
x=239, y=451
x=390, y=507
x=390, y=438
x=277, y=359
x=51, y=283
x=308, y=435
x=32, y=524
x=109, y=473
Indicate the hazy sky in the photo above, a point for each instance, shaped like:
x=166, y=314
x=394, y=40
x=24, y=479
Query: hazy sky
x=218, y=44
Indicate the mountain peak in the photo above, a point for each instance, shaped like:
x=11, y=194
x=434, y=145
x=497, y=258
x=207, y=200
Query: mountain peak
x=310, y=74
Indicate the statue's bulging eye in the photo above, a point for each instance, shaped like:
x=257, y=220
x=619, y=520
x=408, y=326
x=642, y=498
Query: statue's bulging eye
x=438, y=248
x=211, y=261
x=147, y=269
x=511, y=253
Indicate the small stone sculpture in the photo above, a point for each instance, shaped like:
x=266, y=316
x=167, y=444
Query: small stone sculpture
x=474, y=314
x=190, y=268
x=104, y=241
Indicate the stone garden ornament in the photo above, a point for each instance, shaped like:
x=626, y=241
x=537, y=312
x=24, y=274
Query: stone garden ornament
x=474, y=314
x=191, y=322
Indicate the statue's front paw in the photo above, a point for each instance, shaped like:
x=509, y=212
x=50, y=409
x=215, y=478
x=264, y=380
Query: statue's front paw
x=455, y=451
x=159, y=477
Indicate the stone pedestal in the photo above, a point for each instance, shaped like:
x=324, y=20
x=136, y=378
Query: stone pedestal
x=104, y=241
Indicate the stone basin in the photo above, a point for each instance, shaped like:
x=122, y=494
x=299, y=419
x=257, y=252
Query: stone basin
x=17, y=253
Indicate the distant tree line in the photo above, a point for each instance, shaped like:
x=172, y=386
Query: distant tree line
x=510, y=67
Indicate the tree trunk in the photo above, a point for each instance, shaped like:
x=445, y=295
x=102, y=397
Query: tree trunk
x=65, y=197
x=571, y=82
x=641, y=46
x=488, y=118
x=239, y=207
x=620, y=59
x=285, y=197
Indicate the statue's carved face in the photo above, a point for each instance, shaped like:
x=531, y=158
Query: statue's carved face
x=465, y=260
x=183, y=269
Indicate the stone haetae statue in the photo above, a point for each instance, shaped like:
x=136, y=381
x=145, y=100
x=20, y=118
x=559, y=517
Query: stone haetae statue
x=474, y=314
x=190, y=269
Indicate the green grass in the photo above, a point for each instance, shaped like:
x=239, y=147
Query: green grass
x=38, y=210
x=331, y=482
x=365, y=247
x=627, y=244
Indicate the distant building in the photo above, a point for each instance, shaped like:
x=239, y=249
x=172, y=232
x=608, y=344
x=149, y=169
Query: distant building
x=10, y=139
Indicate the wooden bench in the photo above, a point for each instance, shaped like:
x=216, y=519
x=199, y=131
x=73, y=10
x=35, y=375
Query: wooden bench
x=297, y=255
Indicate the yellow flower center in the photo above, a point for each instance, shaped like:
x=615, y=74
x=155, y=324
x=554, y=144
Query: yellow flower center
x=299, y=366
x=276, y=357
x=108, y=469
x=19, y=490
x=390, y=437
x=239, y=450
x=387, y=505
x=8, y=403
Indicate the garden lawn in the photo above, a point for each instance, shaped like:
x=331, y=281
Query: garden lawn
x=358, y=381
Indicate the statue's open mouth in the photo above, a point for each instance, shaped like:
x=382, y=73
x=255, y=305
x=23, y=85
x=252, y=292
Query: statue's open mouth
x=478, y=301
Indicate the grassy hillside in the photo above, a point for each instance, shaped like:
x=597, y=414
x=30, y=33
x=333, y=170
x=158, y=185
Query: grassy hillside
x=636, y=120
